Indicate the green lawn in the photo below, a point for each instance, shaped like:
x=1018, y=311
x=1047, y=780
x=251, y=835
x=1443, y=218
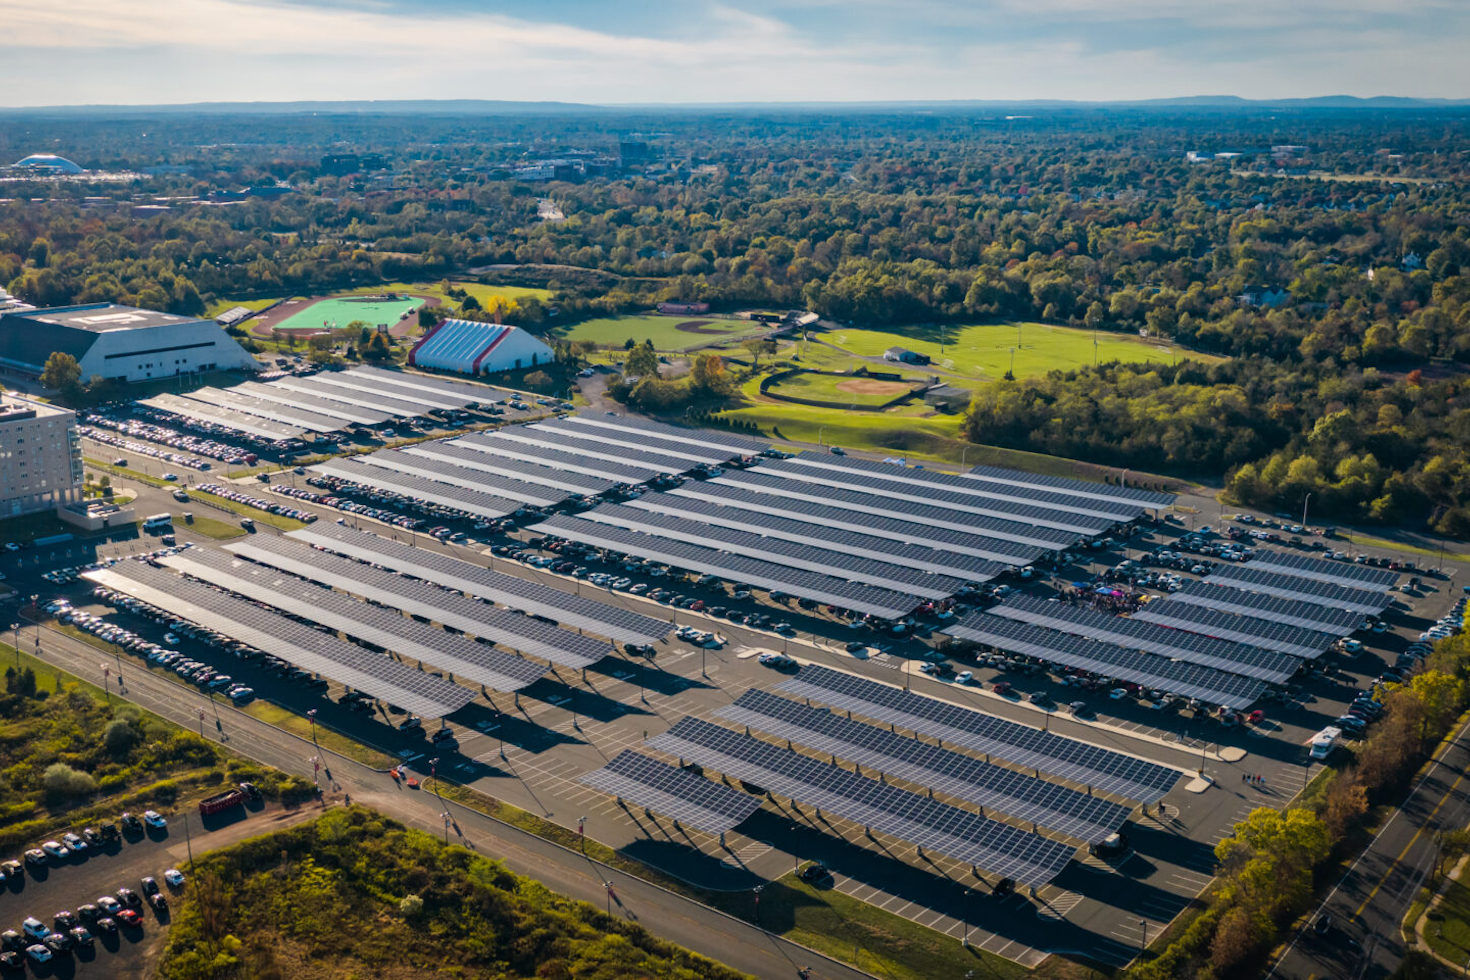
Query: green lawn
x=220, y=306
x=984, y=350
x=662, y=330
x=479, y=291
x=245, y=510
x=211, y=528
x=826, y=387
x=1447, y=928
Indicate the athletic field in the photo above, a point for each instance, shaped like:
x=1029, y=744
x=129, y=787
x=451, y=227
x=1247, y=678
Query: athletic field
x=339, y=312
x=857, y=391
x=669, y=333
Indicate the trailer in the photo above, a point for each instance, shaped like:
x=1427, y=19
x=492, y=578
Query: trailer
x=221, y=802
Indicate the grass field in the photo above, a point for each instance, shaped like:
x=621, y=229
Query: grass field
x=211, y=528
x=856, y=391
x=219, y=306
x=662, y=330
x=984, y=350
x=341, y=312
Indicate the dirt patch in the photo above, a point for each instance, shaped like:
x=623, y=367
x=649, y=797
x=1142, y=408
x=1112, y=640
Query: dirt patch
x=871, y=386
x=700, y=326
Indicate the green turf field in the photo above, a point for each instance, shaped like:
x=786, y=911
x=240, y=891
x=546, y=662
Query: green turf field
x=830, y=388
x=984, y=350
x=662, y=330
x=340, y=312
x=221, y=306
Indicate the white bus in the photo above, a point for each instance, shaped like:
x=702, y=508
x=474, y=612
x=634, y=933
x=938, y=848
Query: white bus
x=158, y=522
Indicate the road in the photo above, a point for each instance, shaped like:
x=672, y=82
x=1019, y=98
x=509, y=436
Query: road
x=670, y=916
x=1369, y=903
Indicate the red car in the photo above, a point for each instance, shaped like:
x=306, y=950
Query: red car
x=129, y=918
x=1001, y=687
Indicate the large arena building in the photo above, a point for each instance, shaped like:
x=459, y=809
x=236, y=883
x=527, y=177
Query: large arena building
x=468, y=347
x=117, y=342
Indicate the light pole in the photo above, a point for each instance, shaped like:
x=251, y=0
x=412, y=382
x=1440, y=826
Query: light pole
x=965, y=914
x=311, y=717
x=1305, y=500
x=1143, y=942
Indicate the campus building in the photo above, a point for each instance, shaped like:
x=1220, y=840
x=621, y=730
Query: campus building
x=40, y=456
x=469, y=347
x=117, y=342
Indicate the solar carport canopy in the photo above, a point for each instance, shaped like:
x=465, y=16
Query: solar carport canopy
x=1109, y=660
x=400, y=407
x=347, y=414
x=511, y=629
x=792, y=554
x=1013, y=529
x=924, y=495
x=705, y=438
x=351, y=383
x=1346, y=574
x=250, y=425
x=1301, y=589
x=382, y=627
x=236, y=401
x=545, y=476
x=473, y=394
x=999, y=848
x=590, y=447
x=476, y=502
x=966, y=568
x=495, y=446
x=1264, y=633
x=678, y=793
x=870, y=600
x=444, y=471
x=376, y=674
x=979, y=542
x=923, y=480
x=613, y=622
x=1015, y=794
x=1062, y=484
x=1271, y=666
x=1288, y=612
x=692, y=454
x=1065, y=758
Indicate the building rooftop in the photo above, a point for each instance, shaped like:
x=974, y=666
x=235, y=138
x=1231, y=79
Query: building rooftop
x=13, y=408
x=104, y=317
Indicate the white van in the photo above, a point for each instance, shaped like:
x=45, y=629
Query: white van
x=1325, y=741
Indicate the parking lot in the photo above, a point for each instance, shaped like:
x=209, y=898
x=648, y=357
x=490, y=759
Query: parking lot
x=532, y=747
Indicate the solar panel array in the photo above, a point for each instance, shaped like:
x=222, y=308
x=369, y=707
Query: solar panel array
x=1301, y=589
x=692, y=453
x=496, y=446
x=1065, y=758
x=476, y=502
x=382, y=627
x=443, y=471
x=778, y=551
x=378, y=400
x=1271, y=666
x=967, y=568
x=453, y=452
x=1264, y=633
x=1028, y=858
x=1288, y=612
x=1061, y=484
x=614, y=622
x=236, y=401
x=737, y=445
x=934, y=497
x=1346, y=574
x=472, y=393
x=855, y=596
x=1015, y=794
x=345, y=414
x=473, y=616
x=914, y=476
x=260, y=428
x=1109, y=660
x=417, y=692
x=678, y=793
x=977, y=543
x=906, y=510
x=591, y=447
x=355, y=382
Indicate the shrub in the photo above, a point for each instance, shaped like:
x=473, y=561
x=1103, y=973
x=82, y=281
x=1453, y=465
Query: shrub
x=62, y=782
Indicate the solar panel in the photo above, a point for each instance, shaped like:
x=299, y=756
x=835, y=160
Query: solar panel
x=1288, y=612
x=865, y=503
x=918, y=477
x=1301, y=589
x=235, y=401
x=1028, y=858
x=348, y=414
x=677, y=793
x=473, y=392
x=1109, y=660
x=443, y=471
x=258, y=427
x=473, y=616
x=931, y=497
x=1344, y=573
x=1061, y=484
x=980, y=544
x=399, y=407
x=1271, y=666
x=856, y=596
x=419, y=488
x=469, y=660
x=709, y=438
x=614, y=622
x=1088, y=765
x=351, y=382
x=1015, y=794
x=966, y=568
x=1264, y=633
x=779, y=551
x=452, y=452
x=591, y=448
x=492, y=444
x=417, y=692
x=692, y=454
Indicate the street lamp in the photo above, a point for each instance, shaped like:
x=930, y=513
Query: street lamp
x=1305, y=501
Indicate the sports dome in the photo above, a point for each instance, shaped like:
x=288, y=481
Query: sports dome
x=49, y=161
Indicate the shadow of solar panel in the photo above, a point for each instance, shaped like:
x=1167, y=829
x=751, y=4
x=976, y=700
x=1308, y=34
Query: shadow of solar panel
x=314, y=651
x=1028, y=858
x=1016, y=794
x=676, y=793
x=1265, y=633
x=1066, y=758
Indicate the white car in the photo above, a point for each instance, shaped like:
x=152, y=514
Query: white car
x=154, y=819
x=174, y=877
x=54, y=850
x=964, y=677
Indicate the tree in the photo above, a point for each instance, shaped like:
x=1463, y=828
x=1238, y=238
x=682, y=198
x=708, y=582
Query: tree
x=62, y=374
x=62, y=783
x=642, y=361
x=120, y=736
x=538, y=380
x=708, y=376
x=378, y=347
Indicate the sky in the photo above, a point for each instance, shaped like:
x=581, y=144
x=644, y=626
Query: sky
x=69, y=52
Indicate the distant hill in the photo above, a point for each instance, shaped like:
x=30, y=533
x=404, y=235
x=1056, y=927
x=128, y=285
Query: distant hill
x=387, y=107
